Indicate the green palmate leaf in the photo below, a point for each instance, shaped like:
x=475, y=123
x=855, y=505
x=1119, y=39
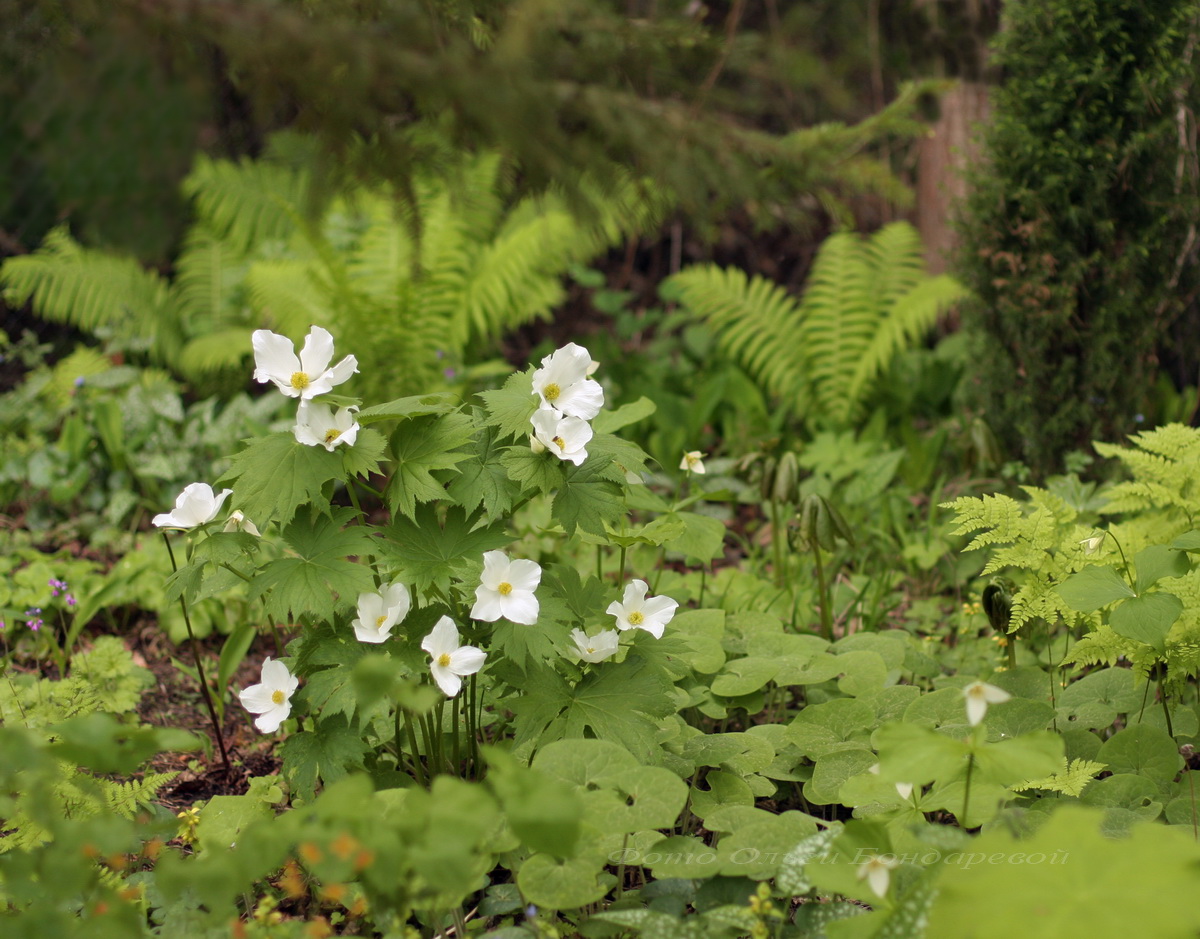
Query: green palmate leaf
x=587, y=499
x=1188, y=541
x=584, y=598
x=1093, y=587
x=431, y=550
x=420, y=448
x=616, y=457
x=1142, y=750
x=543, y=811
x=482, y=478
x=618, y=703
x=405, y=408
x=541, y=472
x=317, y=579
x=363, y=458
x=1147, y=618
x=702, y=539
x=510, y=408
x=275, y=475
x=326, y=754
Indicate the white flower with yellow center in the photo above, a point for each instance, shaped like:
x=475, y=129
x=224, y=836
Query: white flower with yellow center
x=635, y=611
x=877, y=872
x=304, y=376
x=979, y=695
x=317, y=425
x=506, y=589
x=448, y=661
x=595, y=648
x=693, y=462
x=271, y=699
x=562, y=383
x=565, y=437
x=196, y=505
x=378, y=612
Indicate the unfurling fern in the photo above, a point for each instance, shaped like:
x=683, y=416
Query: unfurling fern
x=866, y=300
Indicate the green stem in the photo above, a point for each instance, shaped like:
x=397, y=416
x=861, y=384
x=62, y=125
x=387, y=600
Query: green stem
x=703, y=573
x=457, y=763
x=967, y=790
x=204, y=692
x=1124, y=561
x=823, y=594
x=1162, y=696
x=621, y=566
x=776, y=545
x=418, y=766
x=600, y=563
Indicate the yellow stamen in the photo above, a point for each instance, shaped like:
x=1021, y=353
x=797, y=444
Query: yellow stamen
x=299, y=380
x=379, y=621
x=504, y=589
x=444, y=660
x=562, y=445
x=332, y=435
x=278, y=697
x=551, y=392
x=636, y=618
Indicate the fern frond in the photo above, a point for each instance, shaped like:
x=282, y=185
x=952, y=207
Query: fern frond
x=287, y=297
x=126, y=799
x=103, y=294
x=226, y=348
x=909, y=318
x=208, y=279
x=839, y=317
x=758, y=324
x=247, y=203
x=383, y=256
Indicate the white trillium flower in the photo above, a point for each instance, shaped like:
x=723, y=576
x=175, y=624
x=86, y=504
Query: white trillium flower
x=196, y=505
x=238, y=522
x=979, y=695
x=693, y=462
x=562, y=383
x=378, y=612
x=271, y=699
x=318, y=425
x=448, y=660
x=506, y=589
x=1092, y=545
x=877, y=871
x=596, y=648
x=565, y=437
x=304, y=376
x=636, y=612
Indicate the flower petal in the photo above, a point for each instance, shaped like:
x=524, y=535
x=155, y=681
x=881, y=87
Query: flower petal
x=317, y=352
x=442, y=639
x=487, y=606
x=274, y=357
x=450, y=683
x=520, y=606
x=524, y=574
x=467, y=660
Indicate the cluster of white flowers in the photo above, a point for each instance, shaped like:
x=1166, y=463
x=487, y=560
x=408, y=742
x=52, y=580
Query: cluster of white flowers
x=306, y=377
x=568, y=399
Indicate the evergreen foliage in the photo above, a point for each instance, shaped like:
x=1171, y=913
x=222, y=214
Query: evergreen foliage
x=1075, y=240
x=866, y=300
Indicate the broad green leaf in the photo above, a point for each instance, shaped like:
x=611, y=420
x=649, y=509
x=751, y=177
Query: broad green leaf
x=702, y=538
x=225, y=817
x=823, y=728
x=720, y=791
x=542, y=472
x=326, y=754
x=607, y=422
x=918, y=755
x=1070, y=880
x=1094, y=701
x=562, y=885
x=1127, y=791
x=420, y=448
x=1188, y=541
x=1154, y=563
x=681, y=856
x=543, y=811
x=1010, y=762
x=739, y=752
x=317, y=579
x=831, y=771
x=363, y=458
x=431, y=550
x=1144, y=750
x=1147, y=618
x=275, y=475
x=1092, y=588
x=758, y=850
x=742, y=676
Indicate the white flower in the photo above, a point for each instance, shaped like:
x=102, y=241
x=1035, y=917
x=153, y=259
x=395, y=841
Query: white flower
x=904, y=789
x=506, y=589
x=379, y=612
x=877, y=871
x=562, y=383
x=693, y=462
x=596, y=648
x=318, y=425
x=448, y=660
x=196, y=505
x=271, y=699
x=636, y=612
x=305, y=376
x=979, y=695
x=565, y=437
x=238, y=522
x=1092, y=545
